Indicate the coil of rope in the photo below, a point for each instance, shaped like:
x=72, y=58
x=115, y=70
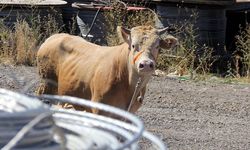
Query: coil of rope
x=27, y=123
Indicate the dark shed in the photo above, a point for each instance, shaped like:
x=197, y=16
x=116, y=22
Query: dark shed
x=218, y=23
x=238, y=16
x=211, y=21
x=90, y=18
x=78, y=19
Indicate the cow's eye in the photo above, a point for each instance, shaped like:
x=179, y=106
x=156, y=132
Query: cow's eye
x=135, y=47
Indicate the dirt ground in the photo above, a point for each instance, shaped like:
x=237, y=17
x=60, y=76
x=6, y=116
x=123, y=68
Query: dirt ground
x=184, y=114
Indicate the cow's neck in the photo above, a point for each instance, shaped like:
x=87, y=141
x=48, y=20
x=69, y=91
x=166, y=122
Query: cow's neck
x=133, y=77
x=123, y=70
x=120, y=71
x=126, y=78
x=124, y=73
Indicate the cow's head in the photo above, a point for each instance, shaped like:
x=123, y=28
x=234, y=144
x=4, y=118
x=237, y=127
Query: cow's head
x=144, y=44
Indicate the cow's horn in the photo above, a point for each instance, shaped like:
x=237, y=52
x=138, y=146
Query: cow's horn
x=161, y=31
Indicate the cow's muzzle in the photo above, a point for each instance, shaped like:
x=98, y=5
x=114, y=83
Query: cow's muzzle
x=146, y=66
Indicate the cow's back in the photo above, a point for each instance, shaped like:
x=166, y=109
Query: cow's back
x=90, y=69
x=54, y=51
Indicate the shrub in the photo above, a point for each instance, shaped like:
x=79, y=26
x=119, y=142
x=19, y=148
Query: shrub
x=189, y=57
x=242, y=53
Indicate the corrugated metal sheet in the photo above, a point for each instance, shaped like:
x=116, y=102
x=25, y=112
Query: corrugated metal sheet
x=11, y=11
x=240, y=1
x=33, y=2
x=203, y=2
x=11, y=14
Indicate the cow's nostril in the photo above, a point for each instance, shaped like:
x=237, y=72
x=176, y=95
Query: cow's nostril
x=141, y=66
x=151, y=65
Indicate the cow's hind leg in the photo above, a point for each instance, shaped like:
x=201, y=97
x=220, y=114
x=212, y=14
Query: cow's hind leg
x=48, y=82
x=47, y=87
x=48, y=79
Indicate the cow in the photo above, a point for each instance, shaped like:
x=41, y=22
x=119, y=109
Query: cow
x=102, y=74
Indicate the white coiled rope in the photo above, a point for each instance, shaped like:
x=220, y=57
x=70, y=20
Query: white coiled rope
x=27, y=123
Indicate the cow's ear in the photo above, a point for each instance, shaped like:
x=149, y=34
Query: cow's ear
x=168, y=42
x=126, y=34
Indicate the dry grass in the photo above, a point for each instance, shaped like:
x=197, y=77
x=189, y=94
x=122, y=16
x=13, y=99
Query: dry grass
x=20, y=43
x=26, y=41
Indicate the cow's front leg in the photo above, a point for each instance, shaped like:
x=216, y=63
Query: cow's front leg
x=138, y=103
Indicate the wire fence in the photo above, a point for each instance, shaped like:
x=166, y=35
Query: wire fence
x=27, y=123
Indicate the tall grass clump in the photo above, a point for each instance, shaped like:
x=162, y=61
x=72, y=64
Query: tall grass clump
x=26, y=41
x=242, y=53
x=20, y=42
x=6, y=43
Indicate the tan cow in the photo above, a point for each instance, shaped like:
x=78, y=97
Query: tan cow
x=100, y=73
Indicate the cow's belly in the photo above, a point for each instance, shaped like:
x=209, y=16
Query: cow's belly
x=117, y=97
x=71, y=82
